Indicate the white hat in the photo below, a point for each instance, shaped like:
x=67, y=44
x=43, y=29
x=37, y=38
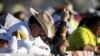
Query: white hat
x=46, y=21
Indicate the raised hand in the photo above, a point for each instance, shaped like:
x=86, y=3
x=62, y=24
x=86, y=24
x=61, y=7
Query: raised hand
x=65, y=15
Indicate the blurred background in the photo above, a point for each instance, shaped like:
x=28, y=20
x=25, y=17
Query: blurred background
x=24, y=5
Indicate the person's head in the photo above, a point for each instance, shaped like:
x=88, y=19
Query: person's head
x=94, y=25
x=35, y=27
x=3, y=43
x=67, y=5
x=20, y=15
x=44, y=22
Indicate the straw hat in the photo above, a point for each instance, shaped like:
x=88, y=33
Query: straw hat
x=46, y=21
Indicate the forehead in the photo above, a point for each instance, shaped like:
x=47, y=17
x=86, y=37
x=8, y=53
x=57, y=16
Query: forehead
x=35, y=26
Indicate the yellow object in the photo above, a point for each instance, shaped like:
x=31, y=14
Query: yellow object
x=20, y=35
x=81, y=37
x=74, y=23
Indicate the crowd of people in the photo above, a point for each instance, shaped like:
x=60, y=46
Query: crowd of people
x=53, y=31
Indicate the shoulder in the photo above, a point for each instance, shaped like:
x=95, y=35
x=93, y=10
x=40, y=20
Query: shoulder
x=80, y=33
x=23, y=29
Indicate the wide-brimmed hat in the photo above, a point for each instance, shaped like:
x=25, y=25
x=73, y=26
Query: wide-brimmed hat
x=46, y=21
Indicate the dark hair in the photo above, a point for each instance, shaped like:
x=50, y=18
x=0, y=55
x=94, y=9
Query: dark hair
x=6, y=41
x=17, y=14
x=32, y=20
x=93, y=22
x=83, y=21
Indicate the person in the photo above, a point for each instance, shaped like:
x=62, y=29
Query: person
x=48, y=30
x=73, y=20
x=8, y=44
x=30, y=36
x=41, y=26
x=85, y=36
x=11, y=25
x=59, y=43
x=38, y=30
x=20, y=15
x=3, y=39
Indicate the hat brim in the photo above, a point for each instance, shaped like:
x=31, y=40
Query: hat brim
x=48, y=28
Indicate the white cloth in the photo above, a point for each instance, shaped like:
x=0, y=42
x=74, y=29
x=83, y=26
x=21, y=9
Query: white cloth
x=22, y=50
x=10, y=21
x=38, y=47
x=38, y=51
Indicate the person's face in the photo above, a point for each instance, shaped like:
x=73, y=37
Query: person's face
x=22, y=16
x=3, y=43
x=36, y=30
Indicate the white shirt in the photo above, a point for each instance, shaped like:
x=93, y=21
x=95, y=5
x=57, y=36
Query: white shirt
x=38, y=47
